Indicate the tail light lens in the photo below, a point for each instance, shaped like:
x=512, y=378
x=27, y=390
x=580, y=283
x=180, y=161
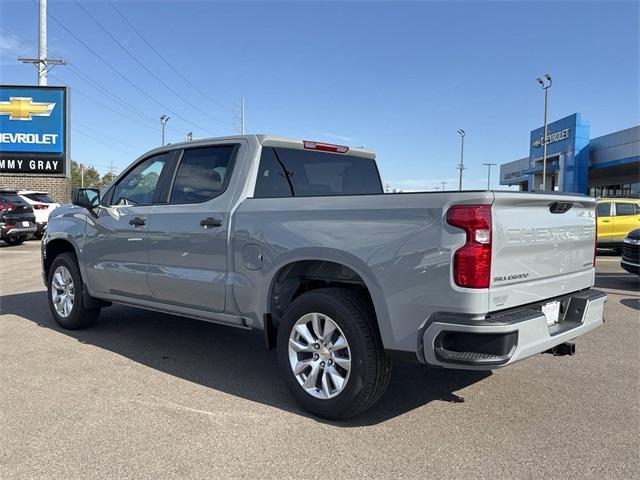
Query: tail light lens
x=472, y=261
x=39, y=206
x=325, y=147
x=7, y=207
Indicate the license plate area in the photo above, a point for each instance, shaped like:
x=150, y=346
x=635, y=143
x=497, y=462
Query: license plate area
x=25, y=224
x=551, y=312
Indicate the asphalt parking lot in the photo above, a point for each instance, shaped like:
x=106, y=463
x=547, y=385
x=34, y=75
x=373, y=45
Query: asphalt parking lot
x=145, y=395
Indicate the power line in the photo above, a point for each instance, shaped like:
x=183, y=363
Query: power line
x=169, y=64
x=103, y=60
x=76, y=71
x=144, y=67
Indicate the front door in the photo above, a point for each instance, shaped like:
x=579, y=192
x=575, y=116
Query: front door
x=116, y=240
x=188, y=234
x=605, y=221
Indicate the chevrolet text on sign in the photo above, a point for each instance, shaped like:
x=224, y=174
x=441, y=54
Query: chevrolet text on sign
x=33, y=124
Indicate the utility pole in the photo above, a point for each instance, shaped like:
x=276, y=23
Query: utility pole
x=489, y=175
x=443, y=185
x=42, y=63
x=189, y=137
x=163, y=120
x=461, y=166
x=545, y=86
x=81, y=175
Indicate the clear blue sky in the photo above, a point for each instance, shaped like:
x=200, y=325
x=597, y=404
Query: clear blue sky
x=400, y=78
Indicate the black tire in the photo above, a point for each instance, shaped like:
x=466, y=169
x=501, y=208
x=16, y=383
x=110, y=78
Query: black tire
x=15, y=240
x=370, y=367
x=38, y=236
x=80, y=316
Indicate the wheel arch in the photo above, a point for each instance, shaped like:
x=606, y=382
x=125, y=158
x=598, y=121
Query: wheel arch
x=306, y=272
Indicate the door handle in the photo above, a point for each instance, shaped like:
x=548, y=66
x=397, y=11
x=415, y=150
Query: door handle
x=606, y=221
x=210, y=222
x=137, y=222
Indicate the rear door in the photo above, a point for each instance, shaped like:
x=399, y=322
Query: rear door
x=188, y=232
x=542, y=247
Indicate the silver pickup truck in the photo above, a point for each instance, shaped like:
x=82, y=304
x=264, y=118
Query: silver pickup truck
x=298, y=240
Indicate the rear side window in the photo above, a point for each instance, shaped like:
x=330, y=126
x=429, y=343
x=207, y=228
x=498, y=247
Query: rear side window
x=40, y=197
x=313, y=173
x=604, y=209
x=272, y=180
x=624, y=209
x=202, y=174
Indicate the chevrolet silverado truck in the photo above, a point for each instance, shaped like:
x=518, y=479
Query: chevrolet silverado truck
x=297, y=239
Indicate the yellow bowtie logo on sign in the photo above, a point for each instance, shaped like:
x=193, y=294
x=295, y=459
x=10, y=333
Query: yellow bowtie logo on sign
x=24, y=108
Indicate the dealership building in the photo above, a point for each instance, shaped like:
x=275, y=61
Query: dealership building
x=601, y=166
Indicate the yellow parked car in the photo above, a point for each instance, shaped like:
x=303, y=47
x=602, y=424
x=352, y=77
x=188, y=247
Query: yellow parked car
x=616, y=218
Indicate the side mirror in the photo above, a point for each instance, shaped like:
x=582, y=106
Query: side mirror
x=86, y=197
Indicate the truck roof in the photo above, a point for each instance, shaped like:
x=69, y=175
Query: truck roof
x=276, y=141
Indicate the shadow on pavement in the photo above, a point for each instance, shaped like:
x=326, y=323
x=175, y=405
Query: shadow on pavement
x=231, y=360
x=631, y=303
x=618, y=281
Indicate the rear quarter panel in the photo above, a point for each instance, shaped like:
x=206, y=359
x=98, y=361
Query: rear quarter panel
x=397, y=243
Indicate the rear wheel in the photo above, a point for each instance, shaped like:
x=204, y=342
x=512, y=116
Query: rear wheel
x=38, y=236
x=15, y=240
x=65, y=298
x=330, y=353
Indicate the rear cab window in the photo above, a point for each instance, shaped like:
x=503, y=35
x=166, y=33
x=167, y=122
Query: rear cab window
x=285, y=172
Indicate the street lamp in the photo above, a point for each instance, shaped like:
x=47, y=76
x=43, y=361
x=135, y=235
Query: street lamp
x=545, y=87
x=163, y=120
x=461, y=166
x=489, y=175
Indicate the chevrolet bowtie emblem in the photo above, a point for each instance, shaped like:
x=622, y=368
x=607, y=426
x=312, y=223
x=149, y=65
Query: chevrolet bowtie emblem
x=24, y=108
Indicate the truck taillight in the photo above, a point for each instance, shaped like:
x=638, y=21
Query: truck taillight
x=325, y=147
x=472, y=261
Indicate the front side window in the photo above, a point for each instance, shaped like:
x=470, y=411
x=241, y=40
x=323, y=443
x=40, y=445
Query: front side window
x=139, y=185
x=202, y=174
x=624, y=209
x=604, y=209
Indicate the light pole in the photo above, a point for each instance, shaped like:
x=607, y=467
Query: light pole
x=443, y=184
x=545, y=86
x=489, y=175
x=163, y=120
x=461, y=166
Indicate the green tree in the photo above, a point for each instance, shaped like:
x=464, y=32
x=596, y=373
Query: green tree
x=91, y=178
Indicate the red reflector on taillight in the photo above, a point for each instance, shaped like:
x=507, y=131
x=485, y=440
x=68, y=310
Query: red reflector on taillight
x=472, y=261
x=39, y=206
x=325, y=147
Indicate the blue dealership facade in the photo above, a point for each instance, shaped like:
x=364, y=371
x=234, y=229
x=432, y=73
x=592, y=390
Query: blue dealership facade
x=602, y=166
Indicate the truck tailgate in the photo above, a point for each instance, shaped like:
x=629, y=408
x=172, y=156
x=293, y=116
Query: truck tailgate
x=542, y=247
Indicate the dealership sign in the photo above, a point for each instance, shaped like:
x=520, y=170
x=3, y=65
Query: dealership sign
x=33, y=130
x=552, y=137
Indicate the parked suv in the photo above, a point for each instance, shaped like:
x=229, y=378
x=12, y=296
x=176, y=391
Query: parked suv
x=17, y=220
x=630, y=258
x=42, y=205
x=616, y=218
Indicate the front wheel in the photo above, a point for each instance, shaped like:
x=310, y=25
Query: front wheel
x=331, y=355
x=65, y=294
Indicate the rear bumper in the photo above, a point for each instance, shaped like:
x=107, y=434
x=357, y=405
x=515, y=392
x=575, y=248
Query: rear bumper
x=509, y=336
x=17, y=231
